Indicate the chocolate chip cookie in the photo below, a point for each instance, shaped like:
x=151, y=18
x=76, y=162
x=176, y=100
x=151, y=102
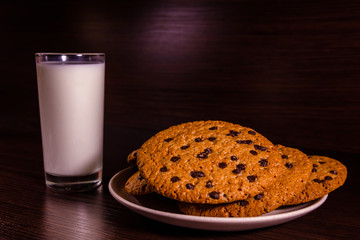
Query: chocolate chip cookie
x=137, y=185
x=327, y=174
x=209, y=162
x=297, y=168
x=298, y=171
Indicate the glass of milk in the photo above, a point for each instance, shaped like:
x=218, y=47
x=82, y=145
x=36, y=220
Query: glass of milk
x=71, y=101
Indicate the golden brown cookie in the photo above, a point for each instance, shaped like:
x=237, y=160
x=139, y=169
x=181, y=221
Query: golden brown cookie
x=131, y=159
x=251, y=207
x=327, y=175
x=137, y=185
x=297, y=169
x=209, y=162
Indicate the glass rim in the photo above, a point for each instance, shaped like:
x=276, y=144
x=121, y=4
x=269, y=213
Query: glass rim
x=39, y=54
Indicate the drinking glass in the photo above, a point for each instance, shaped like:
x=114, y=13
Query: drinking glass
x=71, y=102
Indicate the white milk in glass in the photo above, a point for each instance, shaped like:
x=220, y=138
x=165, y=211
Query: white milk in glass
x=71, y=98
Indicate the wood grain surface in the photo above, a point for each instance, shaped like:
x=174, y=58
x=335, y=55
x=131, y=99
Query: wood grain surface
x=289, y=69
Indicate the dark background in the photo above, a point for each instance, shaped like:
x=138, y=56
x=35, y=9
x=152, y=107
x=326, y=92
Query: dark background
x=288, y=69
x=291, y=73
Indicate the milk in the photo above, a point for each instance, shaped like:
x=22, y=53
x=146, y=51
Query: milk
x=71, y=99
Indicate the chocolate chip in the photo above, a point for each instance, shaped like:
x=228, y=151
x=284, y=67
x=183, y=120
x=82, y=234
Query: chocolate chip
x=214, y=195
x=234, y=158
x=208, y=150
x=251, y=178
x=263, y=163
x=233, y=133
x=317, y=180
x=175, y=179
x=212, y=139
x=184, y=147
x=197, y=174
x=198, y=139
x=202, y=155
x=259, y=196
x=315, y=165
x=164, y=169
x=140, y=177
x=252, y=132
x=222, y=165
x=213, y=128
x=261, y=148
x=168, y=139
x=328, y=178
x=249, y=142
x=334, y=172
x=322, y=162
x=208, y=184
x=243, y=203
x=190, y=186
x=253, y=152
x=241, y=166
x=314, y=170
x=289, y=165
x=175, y=159
x=284, y=157
x=236, y=171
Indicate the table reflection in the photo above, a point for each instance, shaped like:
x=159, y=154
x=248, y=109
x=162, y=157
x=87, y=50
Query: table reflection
x=65, y=215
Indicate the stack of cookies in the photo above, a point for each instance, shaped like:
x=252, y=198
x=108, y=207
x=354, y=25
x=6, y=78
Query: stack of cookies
x=221, y=169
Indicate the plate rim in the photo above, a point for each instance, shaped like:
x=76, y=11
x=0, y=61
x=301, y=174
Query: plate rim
x=299, y=212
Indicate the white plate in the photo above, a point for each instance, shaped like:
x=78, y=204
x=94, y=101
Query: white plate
x=165, y=210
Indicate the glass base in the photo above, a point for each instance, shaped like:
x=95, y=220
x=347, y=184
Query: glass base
x=74, y=184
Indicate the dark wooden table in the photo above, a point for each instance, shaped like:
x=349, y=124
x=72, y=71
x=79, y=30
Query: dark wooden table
x=289, y=69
